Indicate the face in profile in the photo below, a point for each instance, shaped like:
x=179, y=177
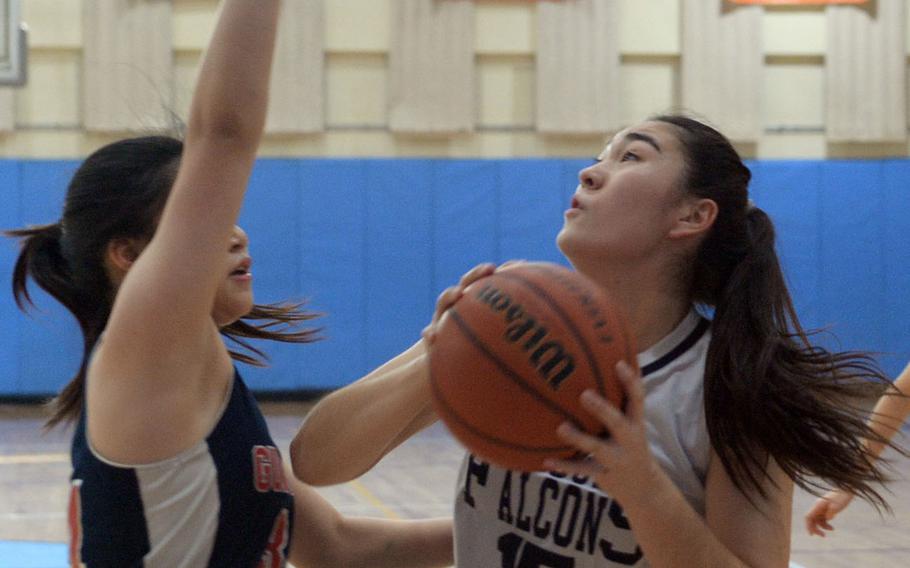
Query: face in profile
x=623, y=207
x=234, y=298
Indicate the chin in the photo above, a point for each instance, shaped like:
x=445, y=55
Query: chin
x=230, y=314
x=564, y=242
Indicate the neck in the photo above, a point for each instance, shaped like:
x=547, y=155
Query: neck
x=649, y=299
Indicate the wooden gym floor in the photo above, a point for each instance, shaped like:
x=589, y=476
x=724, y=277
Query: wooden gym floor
x=417, y=480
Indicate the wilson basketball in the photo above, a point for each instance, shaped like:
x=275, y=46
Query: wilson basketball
x=514, y=353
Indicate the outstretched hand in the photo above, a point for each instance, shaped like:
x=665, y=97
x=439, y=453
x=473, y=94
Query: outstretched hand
x=450, y=295
x=818, y=518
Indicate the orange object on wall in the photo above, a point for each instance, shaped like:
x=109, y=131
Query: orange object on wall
x=798, y=2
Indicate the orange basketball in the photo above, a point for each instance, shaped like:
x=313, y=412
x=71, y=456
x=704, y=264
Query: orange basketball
x=514, y=353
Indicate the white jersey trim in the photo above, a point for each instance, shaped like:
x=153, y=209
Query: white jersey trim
x=181, y=506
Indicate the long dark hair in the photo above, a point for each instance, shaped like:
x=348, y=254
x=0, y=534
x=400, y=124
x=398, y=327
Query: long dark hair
x=769, y=393
x=119, y=192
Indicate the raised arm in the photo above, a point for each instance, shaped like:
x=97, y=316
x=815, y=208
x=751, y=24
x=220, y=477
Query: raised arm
x=162, y=313
x=160, y=372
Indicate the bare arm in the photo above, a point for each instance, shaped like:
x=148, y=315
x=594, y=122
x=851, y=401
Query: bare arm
x=734, y=533
x=890, y=412
x=163, y=308
x=323, y=538
x=353, y=428
x=144, y=383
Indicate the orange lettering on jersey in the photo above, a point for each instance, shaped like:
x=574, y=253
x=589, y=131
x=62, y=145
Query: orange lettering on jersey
x=75, y=523
x=273, y=557
x=268, y=475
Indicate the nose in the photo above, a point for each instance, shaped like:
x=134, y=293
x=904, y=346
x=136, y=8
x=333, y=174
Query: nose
x=591, y=177
x=239, y=239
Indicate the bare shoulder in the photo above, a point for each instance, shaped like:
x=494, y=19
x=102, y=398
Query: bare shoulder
x=139, y=414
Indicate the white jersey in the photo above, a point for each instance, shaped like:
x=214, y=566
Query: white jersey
x=513, y=519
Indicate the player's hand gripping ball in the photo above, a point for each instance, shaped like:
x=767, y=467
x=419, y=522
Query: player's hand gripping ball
x=512, y=356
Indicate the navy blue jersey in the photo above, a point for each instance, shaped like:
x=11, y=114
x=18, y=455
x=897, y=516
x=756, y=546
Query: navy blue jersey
x=223, y=502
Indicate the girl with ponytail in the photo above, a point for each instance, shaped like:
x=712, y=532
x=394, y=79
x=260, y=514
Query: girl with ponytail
x=173, y=465
x=732, y=407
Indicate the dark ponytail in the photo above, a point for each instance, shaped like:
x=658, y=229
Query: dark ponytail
x=769, y=393
x=42, y=258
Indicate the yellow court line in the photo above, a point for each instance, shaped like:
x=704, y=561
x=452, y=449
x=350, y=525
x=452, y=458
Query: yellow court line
x=16, y=459
x=374, y=500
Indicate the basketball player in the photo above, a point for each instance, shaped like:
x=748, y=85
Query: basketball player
x=725, y=416
x=173, y=465
x=890, y=412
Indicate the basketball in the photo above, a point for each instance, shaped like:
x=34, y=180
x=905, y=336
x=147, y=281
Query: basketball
x=512, y=356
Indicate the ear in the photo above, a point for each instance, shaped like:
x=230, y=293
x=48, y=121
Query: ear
x=123, y=252
x=696, y=217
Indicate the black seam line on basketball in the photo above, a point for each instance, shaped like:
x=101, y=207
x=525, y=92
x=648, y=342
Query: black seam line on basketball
x=452, y=415
x=510, y=374
x=598, y=378
x=683, y=346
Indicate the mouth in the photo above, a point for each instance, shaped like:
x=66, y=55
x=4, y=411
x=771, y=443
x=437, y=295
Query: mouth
x=574, y=208
x=242, y=270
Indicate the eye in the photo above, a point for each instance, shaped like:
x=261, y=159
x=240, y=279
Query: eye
x=629, y=156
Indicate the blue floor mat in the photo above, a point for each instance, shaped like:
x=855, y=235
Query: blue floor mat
x=25, y=554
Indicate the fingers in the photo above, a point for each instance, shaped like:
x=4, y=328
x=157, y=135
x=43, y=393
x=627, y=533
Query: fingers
x=583, y=442
x=446, y=299
x=477, y=273
x=812, y=518
x=817, y=518
x=584, y=468
x=812, y=528
x=608, y=414
x=600, y=453
x=452, y=294
x=817, y=527
x=510, y=264
x=635, y=392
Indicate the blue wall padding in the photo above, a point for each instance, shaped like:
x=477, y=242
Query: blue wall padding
x=851, y=255
x=530, y=211
x=895, y=224
x=398, y=256
x=371, y=243
x=789, y=192
x=47, y=346
x=333, y=269
x=10, y=318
